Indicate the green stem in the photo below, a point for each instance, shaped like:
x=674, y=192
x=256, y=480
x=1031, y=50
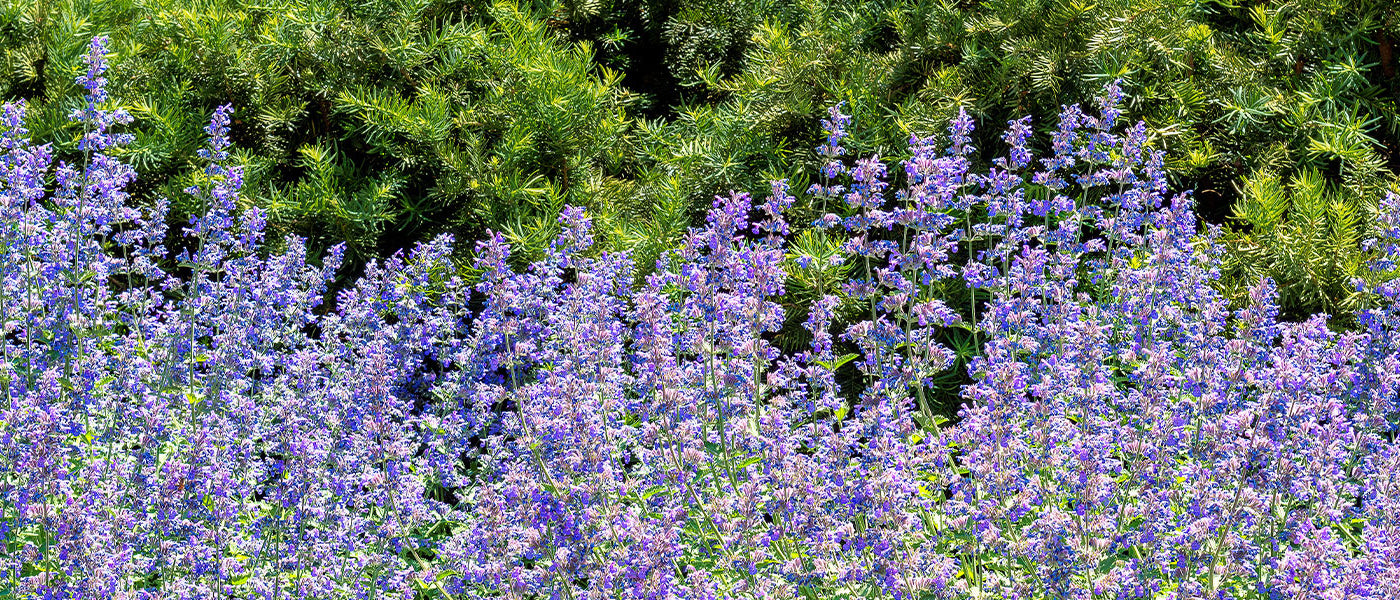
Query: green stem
x=971, y=289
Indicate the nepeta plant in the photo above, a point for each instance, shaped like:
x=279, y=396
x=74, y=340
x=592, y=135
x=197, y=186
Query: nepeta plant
x=193, y=422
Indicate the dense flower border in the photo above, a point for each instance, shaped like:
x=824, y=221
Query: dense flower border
x=560, y=432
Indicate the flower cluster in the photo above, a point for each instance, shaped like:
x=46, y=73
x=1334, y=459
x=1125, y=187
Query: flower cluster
x=206, y=420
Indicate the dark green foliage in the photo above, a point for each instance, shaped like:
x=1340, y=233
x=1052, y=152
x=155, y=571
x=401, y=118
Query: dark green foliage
x=1305, y=90
x=1226, y=90
x=384, y=122
x=375, y=123
x=1308, y=236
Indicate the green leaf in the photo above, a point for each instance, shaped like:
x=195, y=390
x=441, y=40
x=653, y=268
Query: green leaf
x=838, y=362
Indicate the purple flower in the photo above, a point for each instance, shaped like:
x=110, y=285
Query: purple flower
x=225, y=426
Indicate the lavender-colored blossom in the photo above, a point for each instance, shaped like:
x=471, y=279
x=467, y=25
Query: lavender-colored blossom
x=212, y=421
